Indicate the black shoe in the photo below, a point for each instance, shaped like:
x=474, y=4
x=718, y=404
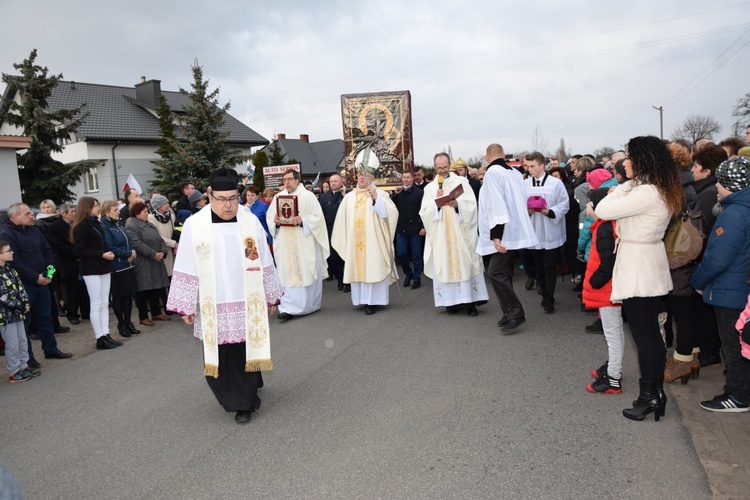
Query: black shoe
x=549, y=309
x=34, y=364
x=513, y=324
x=369, y=310
x=115, y=342
x=74, y=321
x=123, y=331
x=329, y=278
x=588, y=310
x=61, y=329
x=649, y=400
x=347, y=288
x=472, y=311
x=407, y=281
x=340, y=285
x=132, y=329
x=58, y=354
x=61, y=311
x=416, y=285
x=503, y=321
x=601, y=372
x=595, y=327
x=284, y=316
x=104, y=343
x=242, y=417
x=530, y=283
x=709, y=359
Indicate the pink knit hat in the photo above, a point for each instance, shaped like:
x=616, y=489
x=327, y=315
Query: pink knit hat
x=597, y=177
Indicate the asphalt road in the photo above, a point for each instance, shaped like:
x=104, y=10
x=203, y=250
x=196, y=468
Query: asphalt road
x=407, y=403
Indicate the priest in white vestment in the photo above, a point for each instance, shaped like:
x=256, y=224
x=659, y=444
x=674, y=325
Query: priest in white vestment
x=450, y=254
x=300, y=250
x=504, y=228
x=225, y=284
x=363, y=236
x=548, y=220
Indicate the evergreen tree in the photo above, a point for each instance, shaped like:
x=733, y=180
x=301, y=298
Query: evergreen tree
x=275, y=155
x=167, y=175
x=202, y=147
x=260, y=160
x=41, y=176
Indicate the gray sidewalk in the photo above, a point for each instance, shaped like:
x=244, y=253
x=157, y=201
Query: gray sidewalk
x=408, y=403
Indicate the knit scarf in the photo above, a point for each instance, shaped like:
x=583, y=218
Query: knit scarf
x=163, y=218
x=257, y=340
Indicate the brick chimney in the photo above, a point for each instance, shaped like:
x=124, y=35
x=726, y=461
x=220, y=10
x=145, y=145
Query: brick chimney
x=304, y=138
x=148, y=92
x=280, y=136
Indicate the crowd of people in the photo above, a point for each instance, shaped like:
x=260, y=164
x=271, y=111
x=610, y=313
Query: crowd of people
x=655, y=236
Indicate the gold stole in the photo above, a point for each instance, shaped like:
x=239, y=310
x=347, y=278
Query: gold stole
x=257, y=340
x=360, y=233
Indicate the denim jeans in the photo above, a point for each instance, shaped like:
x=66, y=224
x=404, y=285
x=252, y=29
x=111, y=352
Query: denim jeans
x=413, y=242
x=41, y=304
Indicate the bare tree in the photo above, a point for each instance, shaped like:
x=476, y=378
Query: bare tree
x=741, y=112
x=562, y=154
x=602, y=152
x=697, y=127
x=538, y=141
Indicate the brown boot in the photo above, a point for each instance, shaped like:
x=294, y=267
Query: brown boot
x=677, y=369
x=695, y=367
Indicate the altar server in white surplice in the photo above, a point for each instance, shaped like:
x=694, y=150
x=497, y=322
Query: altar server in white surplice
x=225, y=284
x=450, y=254
x=504, y=228
x=300, y=250
x=548, y=219
x=363, y=236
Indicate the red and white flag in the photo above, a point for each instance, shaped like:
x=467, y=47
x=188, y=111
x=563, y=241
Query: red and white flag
x=131, y=183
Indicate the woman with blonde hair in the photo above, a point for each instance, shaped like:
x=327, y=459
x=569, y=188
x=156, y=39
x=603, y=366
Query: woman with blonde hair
x=643, y=207
x=124, y=283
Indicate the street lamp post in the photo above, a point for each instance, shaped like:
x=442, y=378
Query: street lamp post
x=661, y=120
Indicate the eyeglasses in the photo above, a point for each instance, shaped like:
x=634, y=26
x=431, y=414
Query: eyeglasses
x=7, y=251
x=221, y=199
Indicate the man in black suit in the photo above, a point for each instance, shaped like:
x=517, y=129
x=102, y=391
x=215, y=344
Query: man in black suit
x=125, y=210
x=329, y=202
x=58, y=237
x=410, y=233
x=184, y=203
x=419, y=180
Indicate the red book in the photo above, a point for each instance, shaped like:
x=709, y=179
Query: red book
x=286, y=208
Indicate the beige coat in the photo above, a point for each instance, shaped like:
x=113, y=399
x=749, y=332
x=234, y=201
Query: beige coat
x=641, y=267
x=166, y=231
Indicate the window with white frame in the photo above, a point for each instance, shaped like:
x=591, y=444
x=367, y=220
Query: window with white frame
x=92, y=180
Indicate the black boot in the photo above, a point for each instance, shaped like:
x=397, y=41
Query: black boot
x=123, y=331
x=649, y=400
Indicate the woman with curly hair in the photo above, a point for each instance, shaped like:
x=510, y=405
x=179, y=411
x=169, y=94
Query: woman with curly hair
x=643, y=207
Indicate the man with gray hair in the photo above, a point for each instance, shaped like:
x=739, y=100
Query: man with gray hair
x=34, y=261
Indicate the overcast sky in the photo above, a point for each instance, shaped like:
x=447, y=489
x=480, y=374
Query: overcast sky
x=478, y=71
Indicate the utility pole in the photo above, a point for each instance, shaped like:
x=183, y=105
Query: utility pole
x=661, y=120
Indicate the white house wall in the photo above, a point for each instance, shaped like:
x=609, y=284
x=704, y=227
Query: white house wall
x=135, y=159
x=10, y=188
